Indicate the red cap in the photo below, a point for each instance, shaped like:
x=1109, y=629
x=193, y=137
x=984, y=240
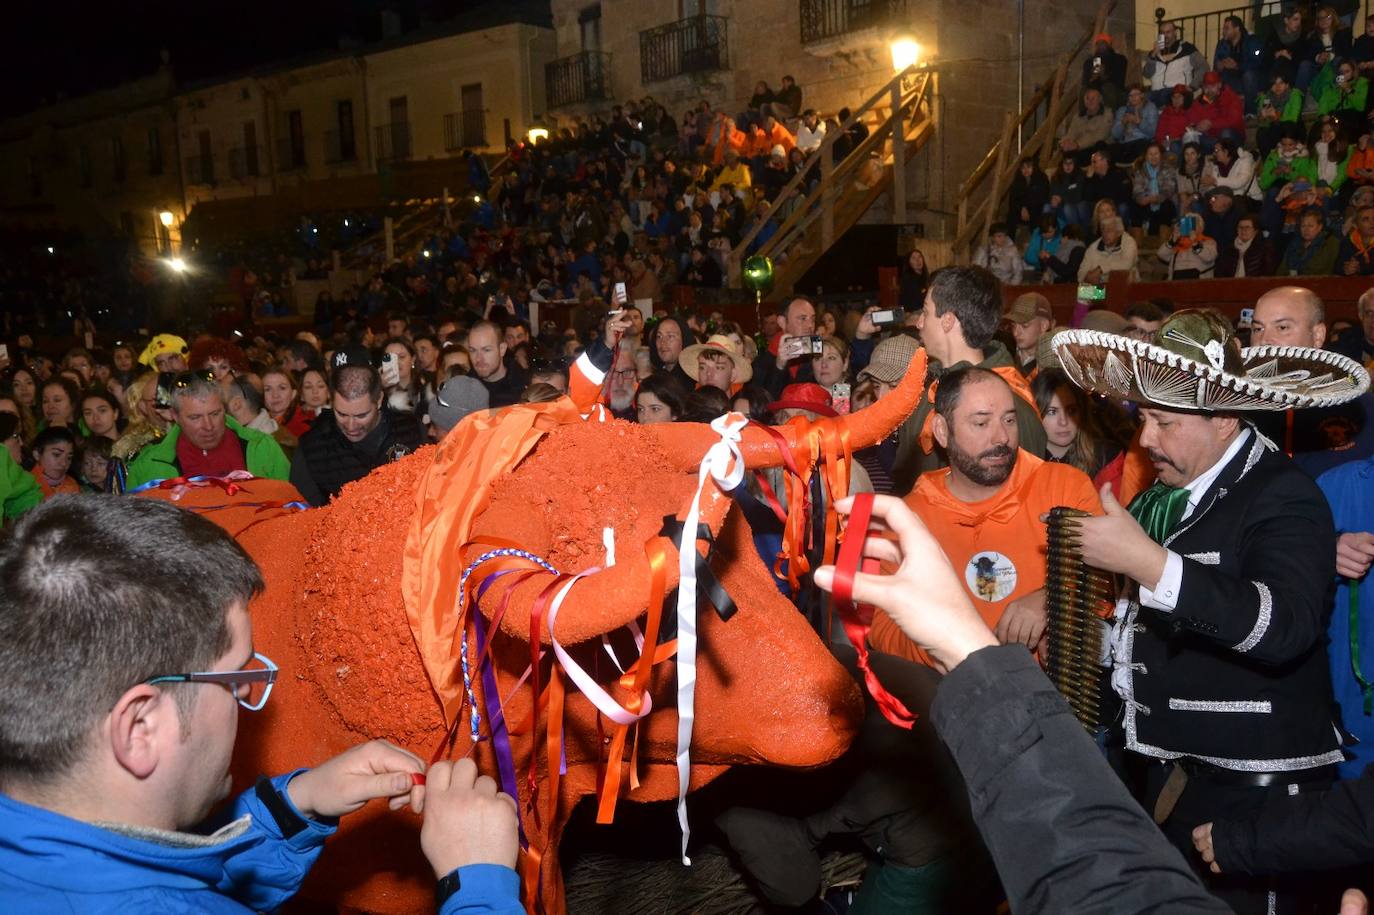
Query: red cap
x=808, y=396
x=1180, y=89
x=1211, y=78
x=1103, y=37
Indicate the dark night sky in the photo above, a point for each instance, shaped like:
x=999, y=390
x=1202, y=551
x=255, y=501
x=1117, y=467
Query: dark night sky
x=53, y=48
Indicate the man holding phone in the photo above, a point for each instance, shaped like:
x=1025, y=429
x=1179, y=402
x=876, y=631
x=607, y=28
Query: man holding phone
x=788, y=357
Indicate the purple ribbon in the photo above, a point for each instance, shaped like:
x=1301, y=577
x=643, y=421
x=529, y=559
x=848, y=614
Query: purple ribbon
x=491, y=696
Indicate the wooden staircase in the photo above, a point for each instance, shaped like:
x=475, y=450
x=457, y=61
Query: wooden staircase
x=1053, y=101
x=846, y=189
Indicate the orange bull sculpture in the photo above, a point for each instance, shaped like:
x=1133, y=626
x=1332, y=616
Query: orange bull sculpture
x=368, y=617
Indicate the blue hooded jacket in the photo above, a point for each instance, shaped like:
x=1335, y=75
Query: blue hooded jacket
x=1350, y=491
x=52, y=863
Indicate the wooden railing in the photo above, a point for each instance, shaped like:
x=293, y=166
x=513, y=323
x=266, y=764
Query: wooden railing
x=816, y=215
x=1058, y=94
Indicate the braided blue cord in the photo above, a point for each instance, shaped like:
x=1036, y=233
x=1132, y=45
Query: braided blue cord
x=476, y=717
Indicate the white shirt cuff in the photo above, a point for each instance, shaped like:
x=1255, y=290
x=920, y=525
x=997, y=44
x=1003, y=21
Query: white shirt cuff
x=1164, y=595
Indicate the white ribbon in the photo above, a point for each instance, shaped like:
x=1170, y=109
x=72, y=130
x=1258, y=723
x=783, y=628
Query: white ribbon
x=725, y=464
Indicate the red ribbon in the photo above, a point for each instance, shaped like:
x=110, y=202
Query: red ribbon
x=858, y=618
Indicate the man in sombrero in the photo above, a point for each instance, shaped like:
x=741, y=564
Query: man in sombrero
x=1219, y=657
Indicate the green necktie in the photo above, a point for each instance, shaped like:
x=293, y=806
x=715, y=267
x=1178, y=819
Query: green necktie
x=1158, y=509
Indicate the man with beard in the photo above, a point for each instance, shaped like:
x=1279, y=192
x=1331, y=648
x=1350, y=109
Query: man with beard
x=963, y=307
x=903, y=798
x=985, y=509
x=620, y=391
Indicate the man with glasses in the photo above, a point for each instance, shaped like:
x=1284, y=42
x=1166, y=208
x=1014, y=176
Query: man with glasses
x=200, y=442
x=624, y=383
x=125, y=671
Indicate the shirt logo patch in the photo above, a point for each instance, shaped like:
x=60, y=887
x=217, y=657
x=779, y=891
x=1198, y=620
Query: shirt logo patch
x=990, y=576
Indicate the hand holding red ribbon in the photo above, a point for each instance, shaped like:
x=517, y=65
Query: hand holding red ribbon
x=924, y=596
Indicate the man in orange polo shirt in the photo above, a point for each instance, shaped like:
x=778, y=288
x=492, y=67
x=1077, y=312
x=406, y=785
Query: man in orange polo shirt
x=985, y=509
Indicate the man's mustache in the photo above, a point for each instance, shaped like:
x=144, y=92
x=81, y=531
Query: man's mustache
x=1159, y=457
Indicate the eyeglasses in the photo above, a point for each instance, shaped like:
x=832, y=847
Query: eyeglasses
x=624, y=373
x=251, y=686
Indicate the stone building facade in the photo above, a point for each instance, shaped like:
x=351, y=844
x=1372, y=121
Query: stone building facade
x=839, y=52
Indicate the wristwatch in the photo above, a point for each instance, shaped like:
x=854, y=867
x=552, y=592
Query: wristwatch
x=446, y=887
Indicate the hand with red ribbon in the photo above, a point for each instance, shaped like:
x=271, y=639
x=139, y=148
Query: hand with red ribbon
x=923, y=596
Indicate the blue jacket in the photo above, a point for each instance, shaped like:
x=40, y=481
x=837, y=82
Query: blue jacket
x=1349, y=489
x=1251, y=56
x=1145, y=130
x=52, y=863
x=1039, y=243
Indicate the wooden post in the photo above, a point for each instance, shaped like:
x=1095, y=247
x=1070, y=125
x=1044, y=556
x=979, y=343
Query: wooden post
x=390, y=240
x=827, y=200
x=998, y=178
x=1056, y=99
x=898, y=157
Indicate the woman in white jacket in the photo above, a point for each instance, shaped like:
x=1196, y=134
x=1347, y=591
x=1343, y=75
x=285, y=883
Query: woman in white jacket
x=1233, y=167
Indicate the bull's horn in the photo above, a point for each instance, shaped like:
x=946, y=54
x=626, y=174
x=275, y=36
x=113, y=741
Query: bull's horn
x=687, y=443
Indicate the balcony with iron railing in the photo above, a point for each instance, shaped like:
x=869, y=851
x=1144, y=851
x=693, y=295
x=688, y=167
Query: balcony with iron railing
x=695, y=45
x=245, y=162
x=290, y=154
x=582, y=77
x=340, y=147
x=393, y=141
x=200, y=169
x=465, y=130
x=1204, y=29
x=825, y=20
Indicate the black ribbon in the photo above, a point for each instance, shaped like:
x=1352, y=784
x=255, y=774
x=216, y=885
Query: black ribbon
x=708, y=586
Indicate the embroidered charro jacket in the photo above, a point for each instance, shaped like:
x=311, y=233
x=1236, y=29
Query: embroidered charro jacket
x=1236, y=674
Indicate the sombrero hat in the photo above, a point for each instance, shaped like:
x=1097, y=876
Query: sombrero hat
x=1197, y=364
x=718, y=343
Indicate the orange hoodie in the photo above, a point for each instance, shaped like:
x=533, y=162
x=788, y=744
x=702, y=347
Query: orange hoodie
x=998, y=545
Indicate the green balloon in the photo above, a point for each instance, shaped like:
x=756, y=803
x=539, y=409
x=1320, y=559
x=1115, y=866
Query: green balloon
x=758, y=274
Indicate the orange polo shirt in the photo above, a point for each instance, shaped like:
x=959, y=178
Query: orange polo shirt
x=997, y=546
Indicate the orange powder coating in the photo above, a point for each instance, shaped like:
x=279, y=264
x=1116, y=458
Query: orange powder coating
x=333, y=619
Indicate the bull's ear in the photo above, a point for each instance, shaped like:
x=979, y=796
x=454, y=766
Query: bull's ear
x=686, y=443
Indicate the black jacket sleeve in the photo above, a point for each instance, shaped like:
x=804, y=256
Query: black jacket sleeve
x=304, y=481
x=1303, y=832
x=1064, y=833
x=1276, y=609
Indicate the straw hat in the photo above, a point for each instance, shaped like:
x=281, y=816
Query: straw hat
x=1198, y=365
x=718, y=343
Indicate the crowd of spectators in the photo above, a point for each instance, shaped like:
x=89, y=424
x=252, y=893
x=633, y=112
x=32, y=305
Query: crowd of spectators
x=1257, y=163
x=323, y=411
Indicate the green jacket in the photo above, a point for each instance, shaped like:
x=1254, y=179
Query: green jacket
x=1300, y=167
x=1334, y=98
x=1317, y=259
x=910, y=461
x=158, y=461
x=18, y=489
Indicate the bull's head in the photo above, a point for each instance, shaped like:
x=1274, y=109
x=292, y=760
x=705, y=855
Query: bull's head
x=333, y=617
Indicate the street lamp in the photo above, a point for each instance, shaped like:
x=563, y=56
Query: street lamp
x=166, y=218
x=905, y=53
x=177, y=264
